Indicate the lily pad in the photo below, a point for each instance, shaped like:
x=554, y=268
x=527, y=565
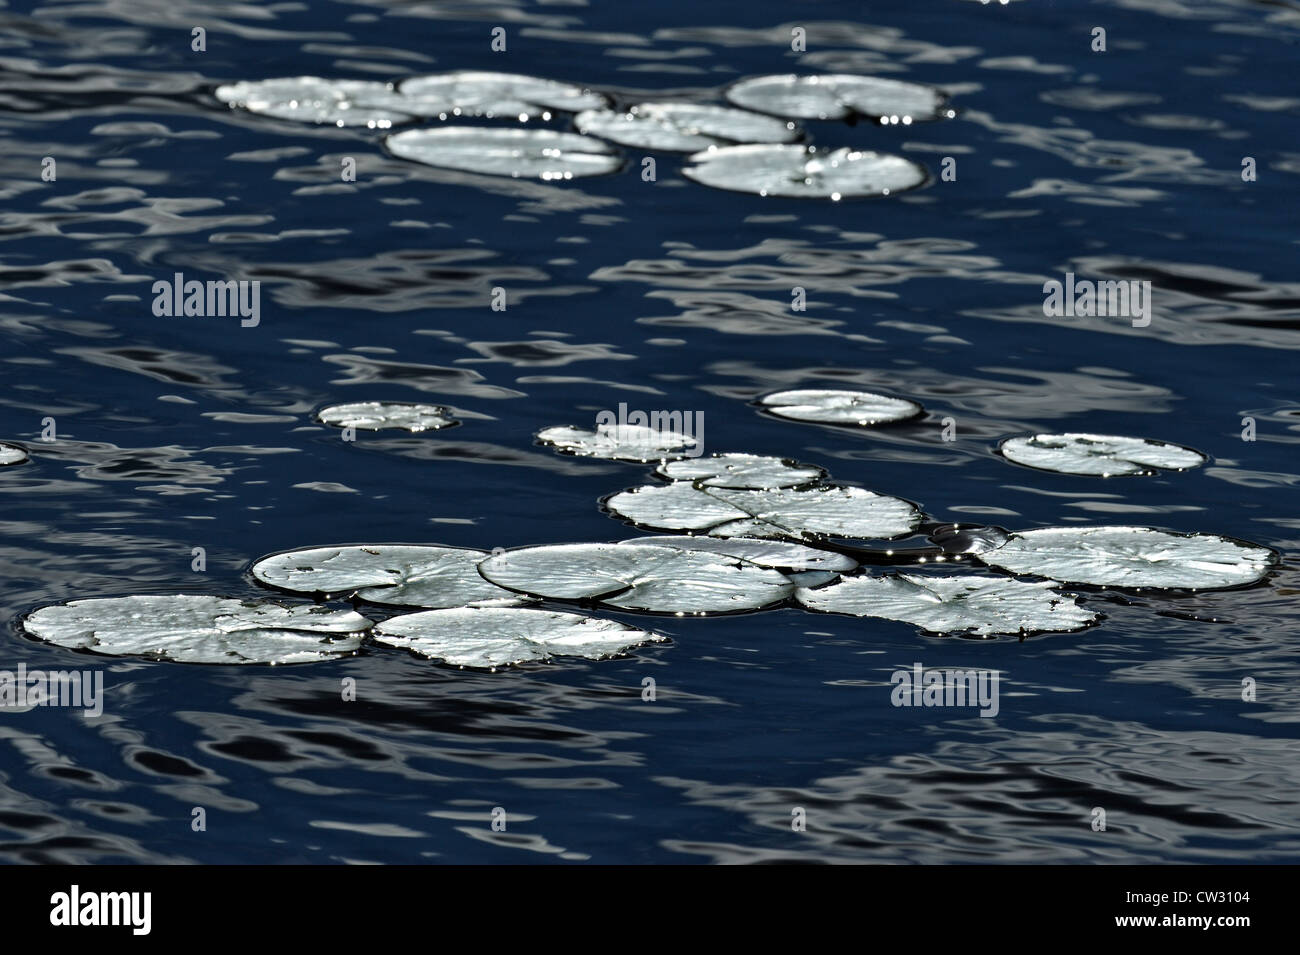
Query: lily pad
x=840, y=96
x=975, y=604
x=807, y=513
x=489, y=94
x=830, y=406
x=633, y=577
x=1119, y=556
x=684, y=127
x=1103, y=455
x=401, y=575
x=376, y=415
x=486, y=638
x=312, y=99
x=804, y=172
x=519, y=153
x=626, y=442
x=778, y=555
x=741, y=471
x=11, y=454
x=200, y=629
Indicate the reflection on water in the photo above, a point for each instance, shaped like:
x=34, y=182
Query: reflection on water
x=963, y=801
x=180, y=433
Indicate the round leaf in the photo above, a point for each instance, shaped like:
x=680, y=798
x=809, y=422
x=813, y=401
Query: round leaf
x=200, y=629
x=631, y=577
x=1103, y=455
x=393, y=574
x=519, y=153
x=374, y=415
x=11, y=454
x=683, y=127
x=804, y=172
x=741, y=471
x=840, y=96
x=311, y=99
x=487, y=638
x=627, y=442
x=979, y=605
x=830, y=406
x=814, y=512
x=1118, y=556
x=489, y=94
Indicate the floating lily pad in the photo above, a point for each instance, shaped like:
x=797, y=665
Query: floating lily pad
x=1104, y=455
x=632, y=577
x=804, y=172
x=399, y=575
x=741, y=471
x=11, y=454
x=519, y=153
x=1118, y=556
x=807, y=513
x=627, y=442
x=840, y=96
x=488, y=94
x=829, y=406
x=200, y=629
x=376, y=415
x=778, y=555
x=684, y=127
x=487, y=638
x=975, y=604
x=311, y=99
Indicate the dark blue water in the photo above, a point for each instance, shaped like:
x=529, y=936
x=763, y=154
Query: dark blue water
x=175, y=433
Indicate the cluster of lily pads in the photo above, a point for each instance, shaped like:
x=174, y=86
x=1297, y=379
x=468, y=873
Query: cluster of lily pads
x=751, y=532
x=753, y=145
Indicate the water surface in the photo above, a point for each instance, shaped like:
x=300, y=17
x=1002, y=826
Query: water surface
x=176, y=433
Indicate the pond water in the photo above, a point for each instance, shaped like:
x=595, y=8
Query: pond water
x=772, y=736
